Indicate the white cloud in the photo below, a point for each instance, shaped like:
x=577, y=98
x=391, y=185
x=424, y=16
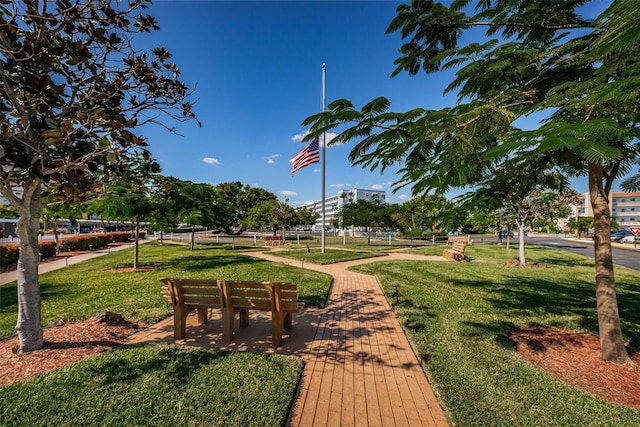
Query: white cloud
x=271, y=158
x=339, y=185
x=404, y=197
x=211, y=161
x=377, y=187
x=300, y=136
x=288, y=193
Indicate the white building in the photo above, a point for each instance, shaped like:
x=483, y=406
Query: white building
x=625, y=208
x=334, y=203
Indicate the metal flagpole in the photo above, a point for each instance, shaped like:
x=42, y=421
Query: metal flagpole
x=324, y=151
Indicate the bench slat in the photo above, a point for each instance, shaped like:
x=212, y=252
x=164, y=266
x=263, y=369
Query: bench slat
x=200, y=291
x=201, y=301
x=232, y=296
x=252, y=304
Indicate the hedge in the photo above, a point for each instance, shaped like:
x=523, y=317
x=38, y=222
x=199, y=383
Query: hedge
x=9, y=252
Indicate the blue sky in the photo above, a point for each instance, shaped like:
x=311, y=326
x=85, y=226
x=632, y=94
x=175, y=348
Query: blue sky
x=257, y=68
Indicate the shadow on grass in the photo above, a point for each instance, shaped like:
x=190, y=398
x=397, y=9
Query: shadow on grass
x=586, y=262
x=121, y=368
x=8, y=297
x=498, y=329
x=193, y=262
x=526, y=296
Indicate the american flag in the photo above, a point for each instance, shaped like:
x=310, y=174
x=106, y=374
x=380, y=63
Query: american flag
x=309, y=154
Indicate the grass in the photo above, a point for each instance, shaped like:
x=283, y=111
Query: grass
x=87, y=289
x=329, y=257
x=458, y=315
x=157, y=385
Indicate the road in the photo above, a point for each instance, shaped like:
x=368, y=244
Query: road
x=626, y=257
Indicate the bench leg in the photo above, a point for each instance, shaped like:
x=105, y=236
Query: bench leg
x=244, y=318
x=287, y=321
x=227, y=324
x=203, y=315
x=179, y=323
x=276, y=328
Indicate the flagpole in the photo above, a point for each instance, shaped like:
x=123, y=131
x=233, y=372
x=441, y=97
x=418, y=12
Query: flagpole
x=324, y=152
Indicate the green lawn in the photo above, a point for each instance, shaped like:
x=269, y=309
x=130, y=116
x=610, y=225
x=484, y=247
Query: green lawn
x=458, y=315
x=157, y=385
x=330, y=256
x=87, y=289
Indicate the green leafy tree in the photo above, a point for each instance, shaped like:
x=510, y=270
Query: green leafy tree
x=364, y=214
x=74, y=89
x=426, y=213
x=305, y=216
x=167, y=198
x=272, y=215
x=581, y=224
x=198, y=204
x=128, y=197
x=522, y=194
x=8, y=212
x=240, y=199
x=537, y=56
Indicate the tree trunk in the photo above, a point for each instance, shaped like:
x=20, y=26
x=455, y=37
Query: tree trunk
x=29, y=327
x=56, y=237
x=193, y=237
x=611, y=342
x=136, y=244
x=521, y=256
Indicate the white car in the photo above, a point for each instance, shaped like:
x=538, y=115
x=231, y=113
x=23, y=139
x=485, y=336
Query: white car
x=628, y=239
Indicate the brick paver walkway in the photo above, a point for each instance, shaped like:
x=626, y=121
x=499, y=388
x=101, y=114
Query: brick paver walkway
x=360, y=369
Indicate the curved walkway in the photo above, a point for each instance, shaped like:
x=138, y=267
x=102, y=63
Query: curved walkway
x=360, y=368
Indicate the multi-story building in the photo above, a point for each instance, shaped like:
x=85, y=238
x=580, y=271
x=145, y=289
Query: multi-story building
x=335, y=202
x=625, y=208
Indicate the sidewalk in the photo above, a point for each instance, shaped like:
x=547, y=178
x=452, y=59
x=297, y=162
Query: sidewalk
x=50, y=265
x=360, y=369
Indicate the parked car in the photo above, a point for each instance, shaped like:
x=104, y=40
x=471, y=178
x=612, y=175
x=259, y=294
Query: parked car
x=504, y=233
x=628, y=239
x=619, y=235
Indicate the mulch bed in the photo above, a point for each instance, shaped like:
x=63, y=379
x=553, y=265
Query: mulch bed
x=63, y=344
x=574, y=358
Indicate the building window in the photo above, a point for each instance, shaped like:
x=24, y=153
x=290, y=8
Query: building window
x=633, y=209
x=632, y=199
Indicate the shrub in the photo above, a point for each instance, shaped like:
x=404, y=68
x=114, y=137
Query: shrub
x=10, y=252
x=47, y=249
x=84, y=243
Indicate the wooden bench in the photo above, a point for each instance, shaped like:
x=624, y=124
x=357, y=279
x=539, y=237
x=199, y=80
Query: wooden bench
x=273, y=240
x=278, y=297
x=186, y=295
x=456, y=253
x=232, y=297
x=466, y=239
